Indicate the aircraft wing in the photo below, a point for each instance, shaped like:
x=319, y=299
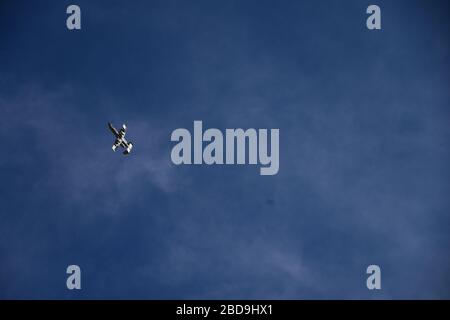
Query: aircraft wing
x=113, y=130
x=122, y=131
x=116, y=144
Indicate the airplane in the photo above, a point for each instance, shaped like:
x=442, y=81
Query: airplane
x=120, y=139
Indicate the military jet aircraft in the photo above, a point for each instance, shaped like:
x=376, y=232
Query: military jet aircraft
x=120, y=139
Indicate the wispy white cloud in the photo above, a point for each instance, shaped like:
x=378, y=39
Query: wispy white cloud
x=81, y=166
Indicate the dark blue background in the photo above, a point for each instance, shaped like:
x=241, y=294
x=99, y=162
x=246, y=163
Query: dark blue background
x=364, y=149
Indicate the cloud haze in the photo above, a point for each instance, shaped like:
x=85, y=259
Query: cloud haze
x=364, y=150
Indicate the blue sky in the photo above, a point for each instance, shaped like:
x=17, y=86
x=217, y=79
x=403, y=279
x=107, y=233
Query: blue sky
x=364, y=150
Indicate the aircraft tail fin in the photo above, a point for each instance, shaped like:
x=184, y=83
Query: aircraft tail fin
x=128, y=150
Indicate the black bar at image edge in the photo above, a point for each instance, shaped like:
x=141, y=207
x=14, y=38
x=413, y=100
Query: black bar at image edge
x=221, y=309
